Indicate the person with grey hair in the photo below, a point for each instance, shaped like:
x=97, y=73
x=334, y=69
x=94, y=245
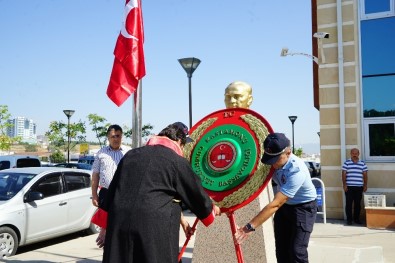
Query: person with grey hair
x=294, y=205
x=106, y=162
x=144, y=216
x=355, y=182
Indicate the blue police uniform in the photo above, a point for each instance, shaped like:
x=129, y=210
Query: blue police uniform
x=294, y=221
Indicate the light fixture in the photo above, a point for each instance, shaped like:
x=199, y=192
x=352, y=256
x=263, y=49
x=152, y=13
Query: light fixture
x=68, y=113
x=293, y=119
x=189, y=65
x=321, y=35
x=284, y=52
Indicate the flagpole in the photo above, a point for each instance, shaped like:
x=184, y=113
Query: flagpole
x=136, y=120
x=137, y=123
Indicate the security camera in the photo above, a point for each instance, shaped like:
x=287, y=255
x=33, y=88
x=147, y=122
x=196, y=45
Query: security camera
x=284, y=52
x=321, y=35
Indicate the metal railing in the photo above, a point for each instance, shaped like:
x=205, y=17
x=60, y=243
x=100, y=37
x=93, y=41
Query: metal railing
x=321, y=197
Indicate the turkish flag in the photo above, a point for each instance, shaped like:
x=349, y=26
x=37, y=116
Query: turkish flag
x=129, y=64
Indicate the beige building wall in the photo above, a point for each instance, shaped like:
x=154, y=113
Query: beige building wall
x=339, y=134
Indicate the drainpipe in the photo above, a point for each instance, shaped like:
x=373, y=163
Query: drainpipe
x=341, y=88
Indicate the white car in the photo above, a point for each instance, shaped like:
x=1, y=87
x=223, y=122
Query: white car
x=40, y=203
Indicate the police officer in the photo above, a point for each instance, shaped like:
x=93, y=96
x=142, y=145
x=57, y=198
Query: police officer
x=294, y=203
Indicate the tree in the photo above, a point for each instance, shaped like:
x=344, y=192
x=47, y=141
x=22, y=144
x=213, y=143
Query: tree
x=5, y=140
x=99, y=127
x=30, y=147
x=146, y=131
x=57, y=157
x=299, y=152
x=58, y=137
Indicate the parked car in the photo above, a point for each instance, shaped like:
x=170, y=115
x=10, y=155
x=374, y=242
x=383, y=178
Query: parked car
x=16, y=161
x=89, y=159
x=40, y=203
x=314, y=171
x=83, y=166
x=318, y=167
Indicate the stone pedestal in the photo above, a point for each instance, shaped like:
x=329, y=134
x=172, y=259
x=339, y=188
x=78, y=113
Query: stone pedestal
x=214, y=244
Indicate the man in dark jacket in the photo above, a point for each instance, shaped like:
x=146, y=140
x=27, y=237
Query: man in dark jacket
x=143, y=212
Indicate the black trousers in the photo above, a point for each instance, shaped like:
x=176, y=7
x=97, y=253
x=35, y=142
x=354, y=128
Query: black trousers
x=293, y=225
x=102, y=196
x=353, y=196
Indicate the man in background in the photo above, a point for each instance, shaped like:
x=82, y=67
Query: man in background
x=355, y=182
x=106, y=163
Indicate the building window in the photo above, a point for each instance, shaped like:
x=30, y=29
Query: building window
x=380, y=139
x=378, y=79
x=372, y=9
x=379, y=96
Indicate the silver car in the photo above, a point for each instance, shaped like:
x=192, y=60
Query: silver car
x=40, y=203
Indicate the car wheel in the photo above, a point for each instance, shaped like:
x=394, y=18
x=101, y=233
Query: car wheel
x=93, y=229
x=8, y=242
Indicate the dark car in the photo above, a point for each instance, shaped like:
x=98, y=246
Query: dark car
x=314, y=169
x=83, y=166
x=18, y=161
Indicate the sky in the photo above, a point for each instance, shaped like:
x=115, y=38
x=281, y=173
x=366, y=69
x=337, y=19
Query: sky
x=58, y=54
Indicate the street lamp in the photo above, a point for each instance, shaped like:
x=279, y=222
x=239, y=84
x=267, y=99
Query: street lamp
x=189, y=65
x=68, y=113
x=293, y=119
x=284, y=53
x=320, y=36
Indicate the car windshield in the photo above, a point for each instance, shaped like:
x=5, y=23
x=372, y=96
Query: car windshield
x=86, y=159
x=12, y=183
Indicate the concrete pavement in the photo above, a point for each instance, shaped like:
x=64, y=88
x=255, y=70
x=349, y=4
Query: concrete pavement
x=330, y=242
x=337, y=242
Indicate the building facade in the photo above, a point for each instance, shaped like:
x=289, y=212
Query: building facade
x=24, y=128
x=354, y=91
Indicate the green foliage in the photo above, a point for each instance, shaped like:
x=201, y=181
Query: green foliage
x=299, y=152
x=58, y=134
x=45, y=159
x=99, y=127
x=146, y=131
x=57, y=157
x=4, y=117
x=6, y=141
x=30, y=147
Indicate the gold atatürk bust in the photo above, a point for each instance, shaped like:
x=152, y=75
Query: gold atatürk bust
x=238, y=94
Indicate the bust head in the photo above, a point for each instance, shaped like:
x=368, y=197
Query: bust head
x=238, y=94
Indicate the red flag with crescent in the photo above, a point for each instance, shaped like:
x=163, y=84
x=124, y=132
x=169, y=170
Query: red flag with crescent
x=129, y=64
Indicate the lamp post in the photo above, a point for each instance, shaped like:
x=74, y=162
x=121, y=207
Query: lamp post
x=189, y=65
x=68, y=113
x=293, y=119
